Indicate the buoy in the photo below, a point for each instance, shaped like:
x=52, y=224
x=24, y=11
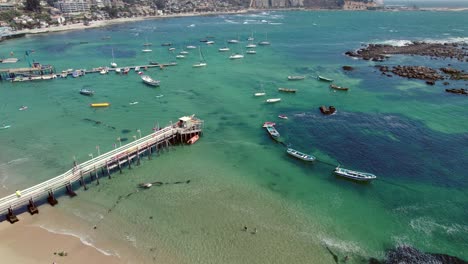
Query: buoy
x=100, y=104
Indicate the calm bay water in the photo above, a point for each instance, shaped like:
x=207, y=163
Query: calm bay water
x=412, y=136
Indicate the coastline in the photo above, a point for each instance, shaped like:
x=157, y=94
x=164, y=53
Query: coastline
x=103, y=23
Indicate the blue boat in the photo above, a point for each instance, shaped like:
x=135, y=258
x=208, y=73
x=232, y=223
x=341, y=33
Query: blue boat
x=272, y=131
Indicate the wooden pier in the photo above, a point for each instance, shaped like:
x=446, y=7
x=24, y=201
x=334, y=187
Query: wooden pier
x=181, y=132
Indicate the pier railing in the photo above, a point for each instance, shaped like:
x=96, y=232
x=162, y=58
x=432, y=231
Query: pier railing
x=112, y=158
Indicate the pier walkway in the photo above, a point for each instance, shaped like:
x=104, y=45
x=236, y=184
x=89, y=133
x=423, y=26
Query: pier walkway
x=183, y=130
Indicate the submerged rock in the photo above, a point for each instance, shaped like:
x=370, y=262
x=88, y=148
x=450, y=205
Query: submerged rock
x=410, y=255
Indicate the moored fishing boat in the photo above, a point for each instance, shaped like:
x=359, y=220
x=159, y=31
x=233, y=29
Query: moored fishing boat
x=321, y=78
x=287, y=90
x=336, y=87
x=272, y=131
x=273, y=100
x=22, y=108
x=283, y=116
x=236, y=56
x=296, y=77
x=191, y=47
x=148, y=80
x=193, y=139
x=268, y=124
x=259, y=94
x=251, y=51
x=355, y=175
x=86, y=92
x=223, y=49
x=327, y=110
x=300, y=155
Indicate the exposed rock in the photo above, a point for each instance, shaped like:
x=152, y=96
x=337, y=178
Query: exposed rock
x=348, y=68
x=379, y=52
x=457, y=91
x=410, y=255
x=413, y=72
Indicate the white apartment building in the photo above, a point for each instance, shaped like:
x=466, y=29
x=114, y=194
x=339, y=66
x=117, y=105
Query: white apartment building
x=73, y=6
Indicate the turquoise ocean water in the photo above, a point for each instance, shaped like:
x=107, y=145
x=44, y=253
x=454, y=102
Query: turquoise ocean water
x=414, y=137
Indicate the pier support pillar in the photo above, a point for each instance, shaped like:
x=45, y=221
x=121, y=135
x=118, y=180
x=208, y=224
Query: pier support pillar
x=108, y=171
x=138, y=156
x=82, y=181
x=32, y=209
x=149, y=152
x=120, y=166
x=128, y=161
x=70, y=191
x=51, y=199
x=11, y=217
x=97, y=176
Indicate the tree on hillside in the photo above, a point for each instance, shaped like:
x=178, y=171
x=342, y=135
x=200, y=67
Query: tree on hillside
x=33, y=5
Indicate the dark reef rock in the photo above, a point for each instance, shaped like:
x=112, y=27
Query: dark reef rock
x=413, y=72
x=410, y=255
x=348, y=68
x=457, y=91
x=379, y=52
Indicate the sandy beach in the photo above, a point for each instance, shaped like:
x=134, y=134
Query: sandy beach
x=103, y=23
x=27, y=241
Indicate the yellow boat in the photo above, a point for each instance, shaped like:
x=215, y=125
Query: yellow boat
x=100, y=105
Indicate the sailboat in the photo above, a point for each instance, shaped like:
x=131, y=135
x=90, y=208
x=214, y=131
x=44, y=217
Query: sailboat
x=265, y=42
x=202, y=62
x=251, y=38
x=146, y=44
x=113, y=64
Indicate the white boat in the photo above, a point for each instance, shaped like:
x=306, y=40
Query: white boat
x=236, y=56
x=296, y=77
x=251, y=52
x=223, y=49
x=146, y=50
x=191, y=47
x=273, y=100
x=113, y=64
x=210, y=42
x=251, y=46
x=355, y=175
x=9, y=60
x=259, y=94
x=137, y=68
x=202, y=62
x=300, y=155
x=180, y=56
x=118, y=70
x=22, y=108
x=133, y=103
x=184, y=52
x=233, y=41
x=5, y=126
x=103, y=71
x=265, y=42
x=148, y=80
x=171, y=49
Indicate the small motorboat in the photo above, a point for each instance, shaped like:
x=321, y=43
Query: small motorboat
x=300, y=155
x=191, y=47
x=171, y=49
x=273, y=132
x=339, y=88
x=236, y=56
x=210, y=42
x=86, y=92
x=287, y=90
x=273, y=100
x=180, y=56
x=5, y=126
x=145, y=185
x=259, y=94
x=283, y=116
x=327, y=110
x=223, y=49
x=146, y=50
x=193, y=139
x=269, y=124
x=354, y=175
x=133, y=103
x=150, y=81
x=22, y=108
x=251, y=51
x=321, y=78
x=296, y=77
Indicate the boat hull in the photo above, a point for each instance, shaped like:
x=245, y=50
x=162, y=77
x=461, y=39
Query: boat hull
x=300, y=155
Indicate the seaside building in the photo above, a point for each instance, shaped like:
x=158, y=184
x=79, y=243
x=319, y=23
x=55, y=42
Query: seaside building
x=355, y=5
x=73, y=6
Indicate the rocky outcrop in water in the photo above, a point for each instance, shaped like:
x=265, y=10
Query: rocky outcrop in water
x=410, y=255
x=413, y=72
x=380, y=52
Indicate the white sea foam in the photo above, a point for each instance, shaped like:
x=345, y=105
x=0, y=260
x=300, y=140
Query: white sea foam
x=86, y=240
x=344, y=246
x=429, y=226
x=405, y=42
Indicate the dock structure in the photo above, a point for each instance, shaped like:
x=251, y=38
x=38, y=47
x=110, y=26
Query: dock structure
x=11, y=73
x=180, y=132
